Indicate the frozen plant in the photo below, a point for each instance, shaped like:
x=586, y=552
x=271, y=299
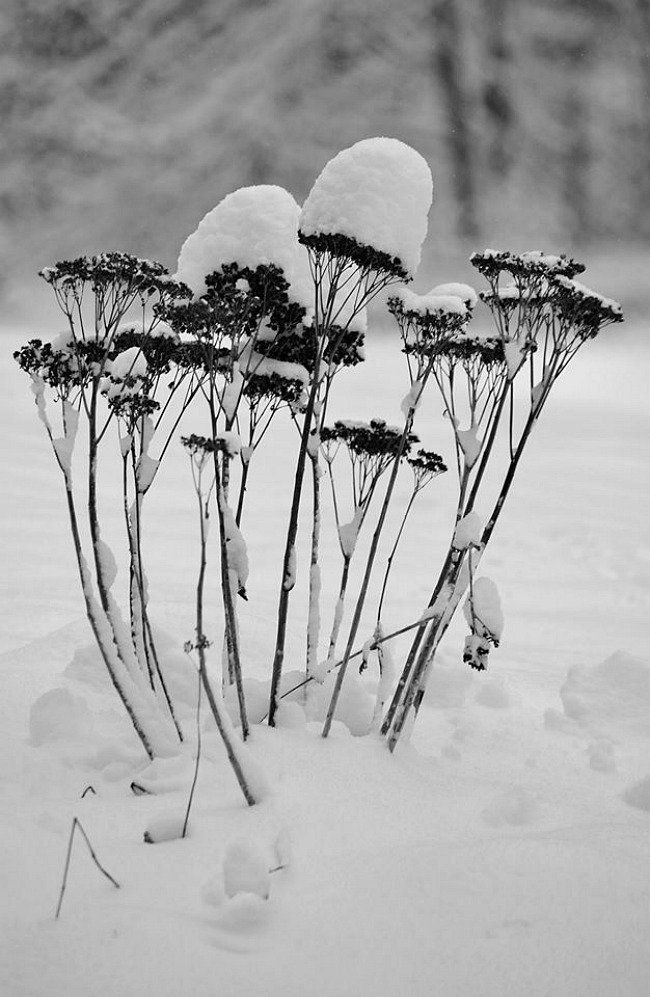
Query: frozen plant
x=200, y=450
x=250, y=278
x=494, y=389
x=363, y=225
x=371, y=449
x=110, y=368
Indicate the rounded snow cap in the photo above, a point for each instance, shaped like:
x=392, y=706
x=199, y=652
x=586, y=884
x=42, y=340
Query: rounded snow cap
x=373, y=196
x=253, y=226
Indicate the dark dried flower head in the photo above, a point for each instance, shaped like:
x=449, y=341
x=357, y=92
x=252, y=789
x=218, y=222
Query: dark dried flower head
x=583, y=309
x=142, y=277
x=488, y=351
x=345, y=248
x=426, y=465
x=243, y=297
x=57, y=366
x=371, y=439
x=427, y=322
x=196, y=444
x=492, y=263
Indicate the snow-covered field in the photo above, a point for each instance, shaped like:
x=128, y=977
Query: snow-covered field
x=506, y=851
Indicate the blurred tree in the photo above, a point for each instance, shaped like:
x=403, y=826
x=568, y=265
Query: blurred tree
x=497, y=87
x=448, y=28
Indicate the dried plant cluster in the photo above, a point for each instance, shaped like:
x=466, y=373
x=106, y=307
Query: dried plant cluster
x=141, y=351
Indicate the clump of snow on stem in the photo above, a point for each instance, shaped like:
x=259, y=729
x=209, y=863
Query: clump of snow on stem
x=470, y=444
x=377, y=192
x=483, y=604
x=125, y=373
x=253, y=226
x=468, y=532
x=412, y=398
x=465, y=292
x=231, y=442
x=236, y=547
x=349, y=533
x=431, y=303
x=64, y=445
x=262, y=366
x=107, y=563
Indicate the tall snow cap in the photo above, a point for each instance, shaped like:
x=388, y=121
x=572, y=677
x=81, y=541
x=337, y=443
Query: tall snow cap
x=376, y=193
x=251, y=226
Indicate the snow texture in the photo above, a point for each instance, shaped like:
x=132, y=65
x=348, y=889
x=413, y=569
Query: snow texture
x=411, y=399
x=125, y=373
x=615, y=692
x=265, y=366
x=484, y=603
x=468, y=532
x=165, y=827
x=253, y=226
x=146, y=470
x=349, y=533
x=432, y=303
x=377, y=192
x=231, y=442
x=246, y=870
x=514, y=355
x=465, y=292
x=470, y=444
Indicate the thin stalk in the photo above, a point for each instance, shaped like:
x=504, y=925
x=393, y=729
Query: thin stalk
x=201, y=644
x=368, y=572
x=313, y=615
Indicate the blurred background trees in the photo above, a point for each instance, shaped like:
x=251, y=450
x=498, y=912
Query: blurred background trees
x=123, y=123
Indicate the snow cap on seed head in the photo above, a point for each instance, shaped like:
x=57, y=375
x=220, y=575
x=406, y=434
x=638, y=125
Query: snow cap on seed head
x=252, y=226
x=376, y=195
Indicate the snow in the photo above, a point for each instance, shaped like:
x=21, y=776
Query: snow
x=246, y=870
x=411, y=399
x=467, y=294
x=431, y=303
x=468, y=532
x=470, y=444
x=286, y=369
x=377, y=192
x=125, y=373
x=484, y=604
x=252, y=226
x=504, y=851
x=514, y=355
x=146, y=470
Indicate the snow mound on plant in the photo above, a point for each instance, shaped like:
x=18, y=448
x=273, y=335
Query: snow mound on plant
x=615, y=692
x=378, y=192
x=252, y=226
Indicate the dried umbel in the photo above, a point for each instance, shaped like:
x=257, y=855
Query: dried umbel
x=528, y=266
x=117, y=283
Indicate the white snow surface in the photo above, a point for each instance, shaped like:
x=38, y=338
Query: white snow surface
x=252, y=226
x=465, y=292
x=431, y=303
x=377, y=192
x=468, y=531
x=505, y=851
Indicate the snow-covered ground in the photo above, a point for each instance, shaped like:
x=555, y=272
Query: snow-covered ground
x=506, y=851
